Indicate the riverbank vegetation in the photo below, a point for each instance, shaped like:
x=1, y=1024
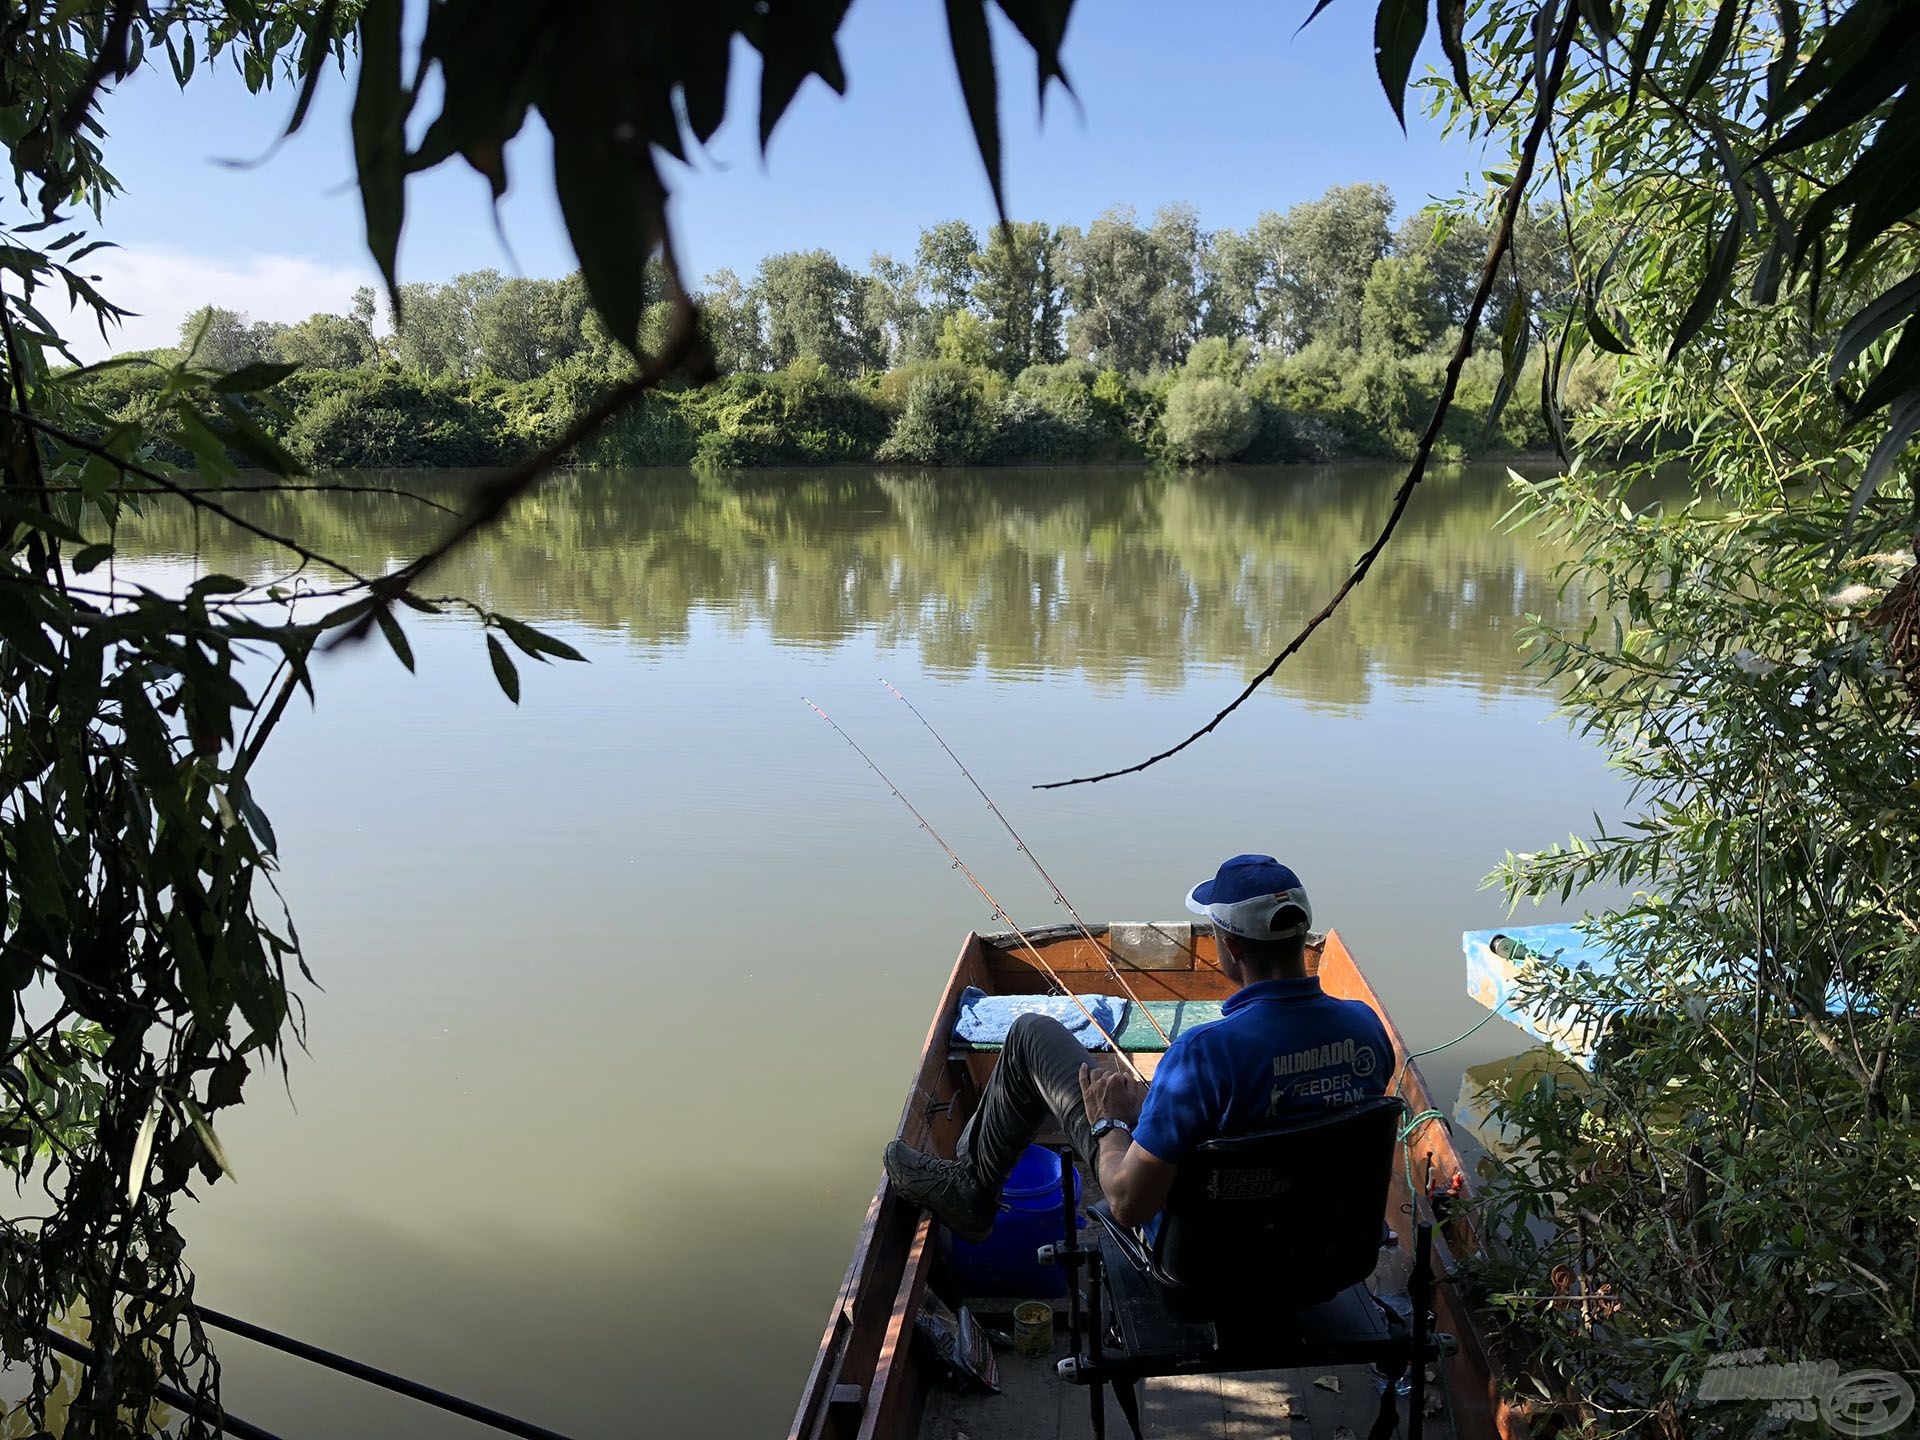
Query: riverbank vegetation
x=1737, y=1176
x=1316, y=333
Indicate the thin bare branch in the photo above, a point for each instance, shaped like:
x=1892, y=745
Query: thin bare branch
x=1512, y=202
x=185, y=492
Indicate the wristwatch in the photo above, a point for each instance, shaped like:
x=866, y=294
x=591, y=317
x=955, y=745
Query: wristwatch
x=1102, y=1127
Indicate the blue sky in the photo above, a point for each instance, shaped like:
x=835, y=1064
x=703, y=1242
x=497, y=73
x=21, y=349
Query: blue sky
x=1214, y=102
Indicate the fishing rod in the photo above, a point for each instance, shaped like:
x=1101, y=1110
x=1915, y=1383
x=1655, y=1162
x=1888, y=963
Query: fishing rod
x=998, y=909
x=1059, y=895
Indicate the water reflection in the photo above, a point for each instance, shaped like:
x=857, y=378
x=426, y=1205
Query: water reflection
x=1111, y=575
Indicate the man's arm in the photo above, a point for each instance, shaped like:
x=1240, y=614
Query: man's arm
x=1135, y=1182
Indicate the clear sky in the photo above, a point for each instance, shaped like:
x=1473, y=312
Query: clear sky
x=1214, y=102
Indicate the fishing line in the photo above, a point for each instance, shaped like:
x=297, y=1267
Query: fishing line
x=999, y=910
x=1059, y=895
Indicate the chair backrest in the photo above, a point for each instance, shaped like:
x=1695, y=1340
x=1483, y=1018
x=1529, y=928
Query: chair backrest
x=1288, y=1216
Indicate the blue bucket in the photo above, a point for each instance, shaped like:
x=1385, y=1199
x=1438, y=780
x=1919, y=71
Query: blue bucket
x=1005, y=1262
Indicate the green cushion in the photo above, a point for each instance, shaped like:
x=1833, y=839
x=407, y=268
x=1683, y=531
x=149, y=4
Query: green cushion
x=1136, y=1031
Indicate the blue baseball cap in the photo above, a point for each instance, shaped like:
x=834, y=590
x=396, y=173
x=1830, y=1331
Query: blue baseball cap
x=1254, y=897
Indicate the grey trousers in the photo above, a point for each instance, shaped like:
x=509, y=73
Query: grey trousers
x=1036, y=1081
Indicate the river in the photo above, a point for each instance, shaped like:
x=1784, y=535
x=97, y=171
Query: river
x=619, y=990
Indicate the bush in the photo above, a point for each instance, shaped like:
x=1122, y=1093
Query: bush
x=1282, y=438
x=1208, y=420
x=1519, y=427
x=1051, y=415
x=532, y=413
x=1386, y=403
x=1284, y=434
x=946, y=421
x=1317, y=404
x=123, y=392
x=1306, y=382
x=830, y=418
x=390, y=419
x=656, y=431
x=800, y=416
x=1130, y=414
x=1218, y=359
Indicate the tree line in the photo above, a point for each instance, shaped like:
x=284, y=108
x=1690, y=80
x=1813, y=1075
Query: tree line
x=1316, y=332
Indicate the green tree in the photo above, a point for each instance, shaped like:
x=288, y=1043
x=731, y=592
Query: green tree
x=1179, y=249
x=816, y=306
x=735, y=324
x=435, y=330
x=1401, y=311
x=1133, y=290
x=1018, y=291
x=965, y=340
x=1236, y=281
x=1454, y=246
x=522, y=328
x=945, y=259
x=332, y=342
x=897, y=311
x=1322, y=254
x=221, y=339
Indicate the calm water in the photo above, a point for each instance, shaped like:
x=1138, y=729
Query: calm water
x=623, y=987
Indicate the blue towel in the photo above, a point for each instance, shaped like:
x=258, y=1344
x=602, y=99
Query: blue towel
x=985, y=1019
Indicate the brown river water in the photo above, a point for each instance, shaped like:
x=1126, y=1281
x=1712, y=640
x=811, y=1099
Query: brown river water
x=621, y=989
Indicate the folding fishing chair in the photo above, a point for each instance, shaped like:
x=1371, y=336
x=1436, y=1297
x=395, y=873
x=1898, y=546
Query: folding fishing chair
x=1260, y=1262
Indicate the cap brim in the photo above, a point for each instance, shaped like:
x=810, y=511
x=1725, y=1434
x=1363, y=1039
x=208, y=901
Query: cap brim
x=1197, y=898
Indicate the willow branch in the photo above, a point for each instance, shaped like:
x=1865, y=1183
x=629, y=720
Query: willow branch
x=185, y=492
x=250, y=749
x=685, y=352
x=1511, y=204
x=110, y=61
x=278, y=487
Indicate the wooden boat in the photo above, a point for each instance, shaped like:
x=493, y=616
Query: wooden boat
x=869, y=1380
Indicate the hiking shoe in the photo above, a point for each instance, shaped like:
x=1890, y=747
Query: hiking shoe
x=946, y=1187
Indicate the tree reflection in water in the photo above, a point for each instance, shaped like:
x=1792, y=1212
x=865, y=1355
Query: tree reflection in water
x=1111, y=574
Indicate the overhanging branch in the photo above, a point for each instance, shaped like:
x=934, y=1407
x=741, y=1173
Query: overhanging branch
x=1511, y=203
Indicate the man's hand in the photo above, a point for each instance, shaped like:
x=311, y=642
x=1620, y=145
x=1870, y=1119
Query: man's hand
x=1111, y=1094
x=1135, y=1182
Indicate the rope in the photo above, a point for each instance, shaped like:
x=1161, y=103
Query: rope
x=1406, y=1131
x=1406, y=1150
x=1435, y=1050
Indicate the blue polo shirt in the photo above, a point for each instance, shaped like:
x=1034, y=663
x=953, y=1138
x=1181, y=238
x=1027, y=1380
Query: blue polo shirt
x=1281, y=1050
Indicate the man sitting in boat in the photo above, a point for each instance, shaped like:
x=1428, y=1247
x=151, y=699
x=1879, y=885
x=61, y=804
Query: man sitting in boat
x=1282, y=1049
